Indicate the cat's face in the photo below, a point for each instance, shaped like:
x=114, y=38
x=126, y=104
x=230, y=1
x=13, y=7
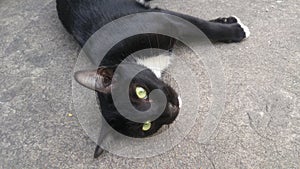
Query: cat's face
x=106, y=80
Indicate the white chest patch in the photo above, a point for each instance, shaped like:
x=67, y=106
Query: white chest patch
x=156, y=63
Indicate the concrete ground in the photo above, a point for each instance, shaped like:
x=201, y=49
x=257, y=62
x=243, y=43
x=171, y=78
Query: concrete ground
x=260, y=127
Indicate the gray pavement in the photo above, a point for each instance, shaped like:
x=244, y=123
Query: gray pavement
x=260, y=127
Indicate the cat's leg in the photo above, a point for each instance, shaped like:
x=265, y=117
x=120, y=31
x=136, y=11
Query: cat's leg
x=219, y=30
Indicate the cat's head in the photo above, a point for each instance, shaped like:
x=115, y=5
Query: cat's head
x=106, y=80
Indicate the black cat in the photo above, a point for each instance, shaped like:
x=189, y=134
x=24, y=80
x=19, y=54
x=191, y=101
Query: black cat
x=82, y=18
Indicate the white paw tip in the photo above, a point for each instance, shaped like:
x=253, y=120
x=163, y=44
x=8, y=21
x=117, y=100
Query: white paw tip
x=147, y=4
x=244, y=27
x=141, y=1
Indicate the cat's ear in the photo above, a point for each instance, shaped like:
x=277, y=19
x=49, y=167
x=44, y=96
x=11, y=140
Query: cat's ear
x=99, y=79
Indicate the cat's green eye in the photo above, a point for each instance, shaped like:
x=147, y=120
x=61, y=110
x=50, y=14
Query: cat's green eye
x=147, y=126
x=141, y=93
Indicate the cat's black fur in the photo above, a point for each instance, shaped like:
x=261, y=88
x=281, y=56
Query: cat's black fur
x=82, y=18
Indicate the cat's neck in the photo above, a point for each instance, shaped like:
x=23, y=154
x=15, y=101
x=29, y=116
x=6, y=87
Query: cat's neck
x=157, y=63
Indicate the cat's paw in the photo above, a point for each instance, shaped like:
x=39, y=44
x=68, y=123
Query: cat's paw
x=234, y=20
x=228, y=20
x=147, y=4
x=244, y=27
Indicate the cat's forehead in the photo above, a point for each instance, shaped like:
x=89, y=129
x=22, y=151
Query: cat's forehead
x=132, y=70
x=145, y=68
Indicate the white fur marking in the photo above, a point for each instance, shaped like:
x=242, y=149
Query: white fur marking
x=146, y=4
x=180, y=101
x=244, y=27
x=141, y=1
x=156, y=63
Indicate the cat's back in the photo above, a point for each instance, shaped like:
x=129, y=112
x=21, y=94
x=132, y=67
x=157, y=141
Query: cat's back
x=82, y=18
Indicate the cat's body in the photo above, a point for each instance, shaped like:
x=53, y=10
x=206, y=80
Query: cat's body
x=82, y=18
